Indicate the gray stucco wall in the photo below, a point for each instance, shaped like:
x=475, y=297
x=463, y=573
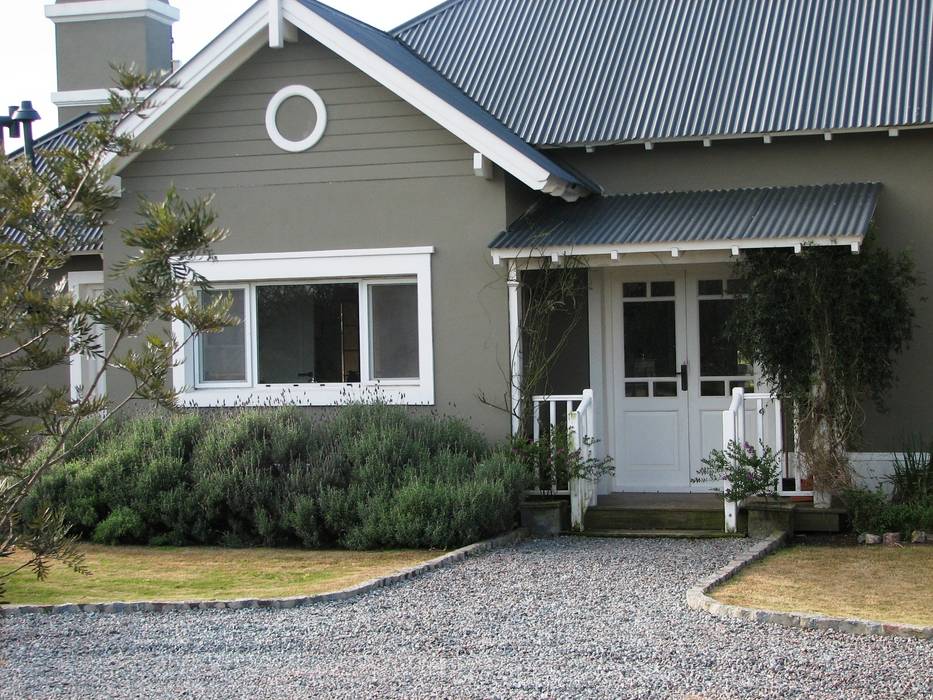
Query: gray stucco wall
x=383, y=175
x=904, y=218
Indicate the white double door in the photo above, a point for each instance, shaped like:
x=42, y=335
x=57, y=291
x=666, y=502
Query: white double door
x=674, y=367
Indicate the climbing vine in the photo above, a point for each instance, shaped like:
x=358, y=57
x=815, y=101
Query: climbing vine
x=826, y=326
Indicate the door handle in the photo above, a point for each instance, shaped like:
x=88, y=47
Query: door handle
x=683, y=377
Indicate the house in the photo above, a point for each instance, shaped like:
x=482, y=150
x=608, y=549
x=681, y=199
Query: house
x=386, y=194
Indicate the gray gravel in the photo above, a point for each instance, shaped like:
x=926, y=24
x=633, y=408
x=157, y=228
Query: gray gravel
x=558, y=618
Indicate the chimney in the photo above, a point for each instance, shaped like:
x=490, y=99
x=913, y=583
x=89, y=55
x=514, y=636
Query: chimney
x=90, y=35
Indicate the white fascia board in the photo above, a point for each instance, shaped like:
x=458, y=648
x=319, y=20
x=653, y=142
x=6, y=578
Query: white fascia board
x=196, y=78
x=667, y=247
x=367, y=262
x=112, y=9
x=479, y=138
x=81, y=98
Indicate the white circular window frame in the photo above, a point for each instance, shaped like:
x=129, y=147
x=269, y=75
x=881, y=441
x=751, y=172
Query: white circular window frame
x=272, y=112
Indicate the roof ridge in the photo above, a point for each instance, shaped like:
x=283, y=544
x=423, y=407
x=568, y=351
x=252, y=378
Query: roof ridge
x=424, y=17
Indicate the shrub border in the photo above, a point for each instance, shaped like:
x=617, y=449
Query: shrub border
x=698, y=599
x=447, y=559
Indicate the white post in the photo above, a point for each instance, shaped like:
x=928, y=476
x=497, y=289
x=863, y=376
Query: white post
x=582, y=491
x=733, y=430
x=515, y=347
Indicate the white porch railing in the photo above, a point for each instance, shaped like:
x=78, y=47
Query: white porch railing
x=577, y=413
x=582, y=491
x=765, y=426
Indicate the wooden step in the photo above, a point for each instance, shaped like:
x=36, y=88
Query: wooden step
x=670, y=534
x=639, y=519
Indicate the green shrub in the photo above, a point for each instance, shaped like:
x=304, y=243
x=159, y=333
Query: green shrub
x=873, y=511
x=122, y=526
x=365, y=476
x=912, y=477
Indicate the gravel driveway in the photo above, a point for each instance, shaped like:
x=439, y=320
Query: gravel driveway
x=559, y=618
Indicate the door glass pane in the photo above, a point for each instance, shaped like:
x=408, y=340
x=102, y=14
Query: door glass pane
x=665, y=389
x=650, y=338
x=712, y=388
x=223, y=355
x=308, y=333
x=634, y=289
x=718, y=353
x=636, y=390
x=662, y=289
x=709, y=287
x=394, y=320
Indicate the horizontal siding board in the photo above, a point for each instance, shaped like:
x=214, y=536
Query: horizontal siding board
x=200, y=148
x=561, y=72
x=801, y=212
x=311, y=160
x=371, y=133
x=394, y=171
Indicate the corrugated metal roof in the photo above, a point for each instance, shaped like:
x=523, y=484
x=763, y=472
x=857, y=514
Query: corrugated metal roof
x=85, y=239
x=565, y=72
x=399, y=56
x=806, y=212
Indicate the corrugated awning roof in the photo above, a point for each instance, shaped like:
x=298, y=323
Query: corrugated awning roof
x=701, y=220
x=617, y=71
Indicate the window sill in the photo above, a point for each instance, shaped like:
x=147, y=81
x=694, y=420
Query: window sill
x=407, y=394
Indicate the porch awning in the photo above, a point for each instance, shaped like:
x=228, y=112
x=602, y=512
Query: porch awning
x=837, y=214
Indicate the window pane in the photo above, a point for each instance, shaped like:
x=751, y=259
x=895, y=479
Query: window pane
x=308, y=333
x=710, y=287
x=662, y=289
x=650, y=339
x=712, y=388
x=394, y=321
x=718, y=353
x=223, y=355
x=634, y=289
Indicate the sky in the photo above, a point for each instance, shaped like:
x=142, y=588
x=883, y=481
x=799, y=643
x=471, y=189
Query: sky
x=27, y=42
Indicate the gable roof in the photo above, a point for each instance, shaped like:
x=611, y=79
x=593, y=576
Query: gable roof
x=378, y=55
x=837, y=214
x=561, y=72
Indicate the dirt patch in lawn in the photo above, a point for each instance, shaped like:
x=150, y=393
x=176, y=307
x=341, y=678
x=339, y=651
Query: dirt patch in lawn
x=204, y=573
x=888, y=584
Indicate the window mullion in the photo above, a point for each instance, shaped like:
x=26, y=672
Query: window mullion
x=365, y=335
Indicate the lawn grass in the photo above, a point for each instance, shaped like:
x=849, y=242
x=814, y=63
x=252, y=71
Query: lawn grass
x=887, y=584
x=203, y=573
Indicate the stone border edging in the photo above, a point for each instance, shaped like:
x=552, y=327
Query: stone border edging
x=279, y=603
x=698, y=599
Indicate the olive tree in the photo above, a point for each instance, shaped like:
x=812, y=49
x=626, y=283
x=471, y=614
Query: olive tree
x=42, y=324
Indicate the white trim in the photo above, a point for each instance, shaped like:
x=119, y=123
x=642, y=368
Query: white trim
x=363, y=267
x=515, y=345
x=272, y=111
x=112, y=9
x=81, y=98
x=76, y=280
x=250, y=32
x=675, y=249
x=90, y=98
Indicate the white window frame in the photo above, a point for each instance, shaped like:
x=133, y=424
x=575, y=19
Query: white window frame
x=247, y=322
x=363, y=267
x=77, y=282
